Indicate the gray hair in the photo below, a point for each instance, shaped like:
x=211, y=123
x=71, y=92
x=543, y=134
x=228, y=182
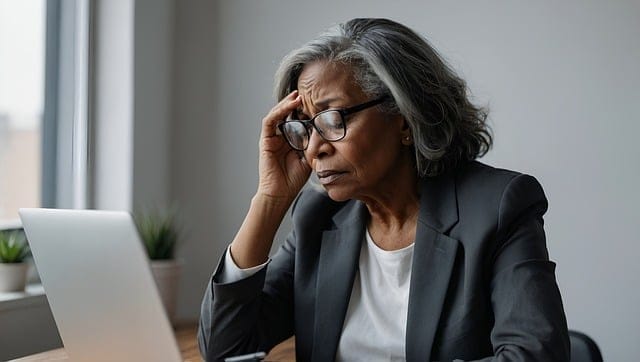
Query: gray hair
x=389, y=59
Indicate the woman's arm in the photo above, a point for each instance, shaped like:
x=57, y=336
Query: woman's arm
x=251, y=314
x=530, y=324
x=282, y=173
x=239, y=317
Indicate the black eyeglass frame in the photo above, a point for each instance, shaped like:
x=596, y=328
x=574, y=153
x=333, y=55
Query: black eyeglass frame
x=344, y=112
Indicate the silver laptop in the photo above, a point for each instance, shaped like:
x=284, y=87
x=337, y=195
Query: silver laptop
x=98, y=282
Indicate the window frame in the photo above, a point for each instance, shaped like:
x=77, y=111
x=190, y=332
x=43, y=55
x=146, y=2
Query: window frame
x=50, y=114
x=65, y=128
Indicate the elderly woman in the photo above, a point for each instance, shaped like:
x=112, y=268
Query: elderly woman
x=410, y=249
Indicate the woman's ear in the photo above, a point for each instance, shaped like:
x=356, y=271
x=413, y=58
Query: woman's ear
x=405, y=133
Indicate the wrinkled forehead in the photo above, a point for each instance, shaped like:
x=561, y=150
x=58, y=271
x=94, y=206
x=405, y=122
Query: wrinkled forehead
x=325, y=84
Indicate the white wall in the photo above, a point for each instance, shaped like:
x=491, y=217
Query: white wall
x=193, y=176
x=561, y=79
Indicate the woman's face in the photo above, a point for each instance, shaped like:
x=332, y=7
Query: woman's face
x=370, y=159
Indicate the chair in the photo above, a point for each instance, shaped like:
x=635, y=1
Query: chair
x=583, y=348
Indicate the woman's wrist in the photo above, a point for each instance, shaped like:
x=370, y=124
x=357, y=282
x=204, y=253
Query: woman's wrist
x=254, y=239
x=272, y=204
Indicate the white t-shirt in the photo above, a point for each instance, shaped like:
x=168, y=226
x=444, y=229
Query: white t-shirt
x=375, y=325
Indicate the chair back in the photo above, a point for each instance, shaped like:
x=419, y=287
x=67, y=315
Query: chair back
x=583, y=348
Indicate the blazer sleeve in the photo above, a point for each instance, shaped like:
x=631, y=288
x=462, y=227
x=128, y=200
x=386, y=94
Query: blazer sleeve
x=250, y=315
x=530, y=324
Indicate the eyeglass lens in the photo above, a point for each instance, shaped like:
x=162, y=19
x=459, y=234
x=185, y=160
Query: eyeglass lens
x=329, y=124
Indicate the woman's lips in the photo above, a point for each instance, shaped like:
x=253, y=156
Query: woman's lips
x=327, y=177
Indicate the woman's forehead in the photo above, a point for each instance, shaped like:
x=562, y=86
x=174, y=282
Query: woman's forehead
x=324, y=83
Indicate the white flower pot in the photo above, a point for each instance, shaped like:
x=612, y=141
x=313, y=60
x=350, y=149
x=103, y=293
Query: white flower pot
x=167, y=276
x=13, y=276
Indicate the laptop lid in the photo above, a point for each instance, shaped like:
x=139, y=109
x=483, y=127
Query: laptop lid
x=99, y=285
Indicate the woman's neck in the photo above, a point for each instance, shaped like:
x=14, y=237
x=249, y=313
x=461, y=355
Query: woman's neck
x=394, y=212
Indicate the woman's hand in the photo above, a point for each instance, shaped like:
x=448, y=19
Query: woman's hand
x=282, y=175
x=282, y=171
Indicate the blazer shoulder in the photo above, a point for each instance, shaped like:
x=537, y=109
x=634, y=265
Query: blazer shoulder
x=495, y=203
x=481, y=187
x=474, y=172
x=479, y=176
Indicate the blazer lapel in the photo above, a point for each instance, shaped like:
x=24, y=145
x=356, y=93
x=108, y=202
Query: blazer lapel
x=339, y=255
x=433, y=260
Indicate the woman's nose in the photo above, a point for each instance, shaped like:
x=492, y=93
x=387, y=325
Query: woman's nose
x=318, y=147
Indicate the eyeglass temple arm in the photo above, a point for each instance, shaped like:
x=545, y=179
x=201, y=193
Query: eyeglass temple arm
x=360, y=107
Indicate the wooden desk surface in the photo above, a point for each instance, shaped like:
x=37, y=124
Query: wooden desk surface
x=188, y=345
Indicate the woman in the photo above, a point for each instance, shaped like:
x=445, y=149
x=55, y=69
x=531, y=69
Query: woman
x=412, y=250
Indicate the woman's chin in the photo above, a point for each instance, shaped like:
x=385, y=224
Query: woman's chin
x=337, y=194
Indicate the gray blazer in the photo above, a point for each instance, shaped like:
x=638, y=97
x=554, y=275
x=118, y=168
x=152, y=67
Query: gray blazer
x=482, y=286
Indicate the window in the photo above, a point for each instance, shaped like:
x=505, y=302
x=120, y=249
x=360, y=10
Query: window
x=43, y=105
x=22, y=65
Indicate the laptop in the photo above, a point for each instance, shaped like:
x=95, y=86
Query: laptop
x=99, y=285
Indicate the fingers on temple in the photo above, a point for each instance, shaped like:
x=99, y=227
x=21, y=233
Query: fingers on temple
x=287, y=105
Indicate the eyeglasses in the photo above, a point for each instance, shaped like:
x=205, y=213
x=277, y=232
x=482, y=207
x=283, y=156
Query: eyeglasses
x=330, y=125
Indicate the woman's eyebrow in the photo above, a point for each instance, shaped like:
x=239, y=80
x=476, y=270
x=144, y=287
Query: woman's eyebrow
x=321, y=104
x=324, y=103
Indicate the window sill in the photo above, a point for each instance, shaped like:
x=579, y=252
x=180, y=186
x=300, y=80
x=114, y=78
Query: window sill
x=9, y=224
x=32, y=296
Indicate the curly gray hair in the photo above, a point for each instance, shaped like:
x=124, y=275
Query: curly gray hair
x=389, y=59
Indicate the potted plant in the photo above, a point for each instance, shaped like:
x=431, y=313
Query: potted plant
x=160, y=236
x=13, y=268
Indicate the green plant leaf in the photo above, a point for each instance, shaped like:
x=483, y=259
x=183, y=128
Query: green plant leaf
x=158, y=233
x=13, y=247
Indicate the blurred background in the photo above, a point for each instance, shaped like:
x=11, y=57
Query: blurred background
x=168, y=110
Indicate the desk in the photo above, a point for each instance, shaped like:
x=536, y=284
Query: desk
x=188, y=345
